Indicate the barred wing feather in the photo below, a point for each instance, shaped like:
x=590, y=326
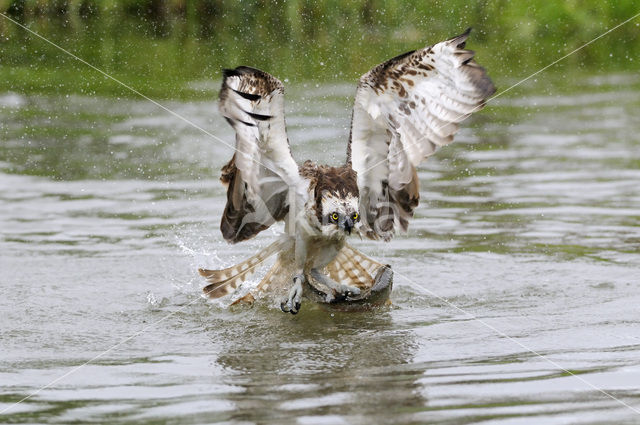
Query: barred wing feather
x=262, y=170
x=405, y=109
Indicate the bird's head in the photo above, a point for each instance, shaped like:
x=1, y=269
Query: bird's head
x=336, y=200
x=339, y=214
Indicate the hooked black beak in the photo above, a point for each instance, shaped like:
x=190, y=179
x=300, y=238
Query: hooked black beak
x=347, y=225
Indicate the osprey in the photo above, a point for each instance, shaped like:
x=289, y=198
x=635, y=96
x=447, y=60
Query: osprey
x=404, y=109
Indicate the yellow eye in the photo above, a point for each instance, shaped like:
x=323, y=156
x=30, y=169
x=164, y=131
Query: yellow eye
x=334, y=216
x=355, y=216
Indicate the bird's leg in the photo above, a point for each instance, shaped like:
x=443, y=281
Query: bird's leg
x=343, y=291
x=292, y=303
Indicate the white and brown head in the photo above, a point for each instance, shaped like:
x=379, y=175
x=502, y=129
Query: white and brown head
x=336, y=200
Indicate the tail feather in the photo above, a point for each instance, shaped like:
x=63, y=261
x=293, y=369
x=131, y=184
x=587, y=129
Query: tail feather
x=350, y=273
x=369, y=264
x=353, y=268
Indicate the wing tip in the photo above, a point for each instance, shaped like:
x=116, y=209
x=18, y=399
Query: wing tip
x=489, y=90
x=260, y=83
x=215, y=290
x=481, y=79
x=240, y=70
x=227, y=72
x=212, y=276
x=460, y=40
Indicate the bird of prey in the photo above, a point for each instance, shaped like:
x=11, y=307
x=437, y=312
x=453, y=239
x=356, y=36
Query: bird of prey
x=404, y=110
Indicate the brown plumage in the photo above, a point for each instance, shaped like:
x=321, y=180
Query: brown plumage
x=404, y=110
x=233, y=225
x=324, y=179
x=225, y=281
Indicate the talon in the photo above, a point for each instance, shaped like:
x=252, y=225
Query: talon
x=284, y=307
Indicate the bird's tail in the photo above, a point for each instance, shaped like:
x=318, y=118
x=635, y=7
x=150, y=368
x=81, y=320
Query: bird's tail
x=225, y=281
x=351, y=267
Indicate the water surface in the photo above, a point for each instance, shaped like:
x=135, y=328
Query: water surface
x=520, y=269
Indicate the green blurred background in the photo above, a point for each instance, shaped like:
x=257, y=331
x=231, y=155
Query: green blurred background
x=162, y=47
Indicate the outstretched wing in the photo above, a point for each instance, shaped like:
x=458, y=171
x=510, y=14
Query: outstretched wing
x=404, y=110
x=262, y=170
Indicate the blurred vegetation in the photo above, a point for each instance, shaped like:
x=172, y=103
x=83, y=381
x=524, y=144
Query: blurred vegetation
x=160, y=46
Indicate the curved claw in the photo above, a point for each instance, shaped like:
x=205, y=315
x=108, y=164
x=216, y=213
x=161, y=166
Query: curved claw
x=295, y=309
x=284, y=307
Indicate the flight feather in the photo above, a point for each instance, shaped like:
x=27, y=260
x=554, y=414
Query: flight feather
x=261, y=172
x=404, y=110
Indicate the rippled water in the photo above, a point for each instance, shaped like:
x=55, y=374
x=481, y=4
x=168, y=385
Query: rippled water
x=516, y=292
